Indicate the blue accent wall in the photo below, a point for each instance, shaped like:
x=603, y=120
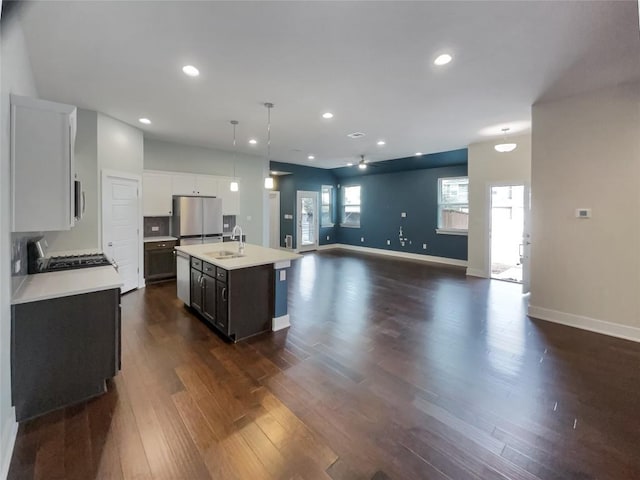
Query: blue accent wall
x=385, y=196
x=280, y=293
x=306, y=179
x=388, y=188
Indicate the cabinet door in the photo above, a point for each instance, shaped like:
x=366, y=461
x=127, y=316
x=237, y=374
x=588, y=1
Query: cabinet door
x=222, y=306
x=156, y=194
x=196, y=290
x=42, y=143
x=159, y=263
x=209, y=298
x=207, y=185
x=183, y=184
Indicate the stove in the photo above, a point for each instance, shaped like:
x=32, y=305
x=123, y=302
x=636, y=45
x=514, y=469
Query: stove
x=70, y=262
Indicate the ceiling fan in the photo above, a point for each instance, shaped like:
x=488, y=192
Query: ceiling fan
x=363, y=164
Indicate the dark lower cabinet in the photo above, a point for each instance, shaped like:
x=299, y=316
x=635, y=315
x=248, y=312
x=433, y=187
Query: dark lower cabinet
x=238, y=303
x=196, y=290
x=209, y=298
x=159, y=261
x=63, y=350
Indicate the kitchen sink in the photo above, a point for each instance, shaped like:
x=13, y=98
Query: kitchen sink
x=224, y=254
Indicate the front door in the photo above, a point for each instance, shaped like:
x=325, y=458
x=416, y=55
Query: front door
x=307, y=216
x=120, y=226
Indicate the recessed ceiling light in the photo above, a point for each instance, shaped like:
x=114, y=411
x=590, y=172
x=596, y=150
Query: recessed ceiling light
x=191, y=70
x=327, y=115
x=418, y=154
x=349, y=164
x=381, y=142
x=311, y=157
x=443, y=59
x=253, y=141
x=146, y=121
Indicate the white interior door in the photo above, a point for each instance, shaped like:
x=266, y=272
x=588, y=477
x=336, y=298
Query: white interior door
x=307, y=217
x=274, y=219
x=526, y=242
x=120, y=226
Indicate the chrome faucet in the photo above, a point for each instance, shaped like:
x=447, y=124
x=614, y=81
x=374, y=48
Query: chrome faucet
x=240, y=241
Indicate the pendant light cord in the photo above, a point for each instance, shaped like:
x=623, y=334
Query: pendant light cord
x=234, y=123
x=269, y=107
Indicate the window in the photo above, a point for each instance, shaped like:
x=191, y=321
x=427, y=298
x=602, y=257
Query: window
x=453, y=205
x=325, y=209
x=351, y=206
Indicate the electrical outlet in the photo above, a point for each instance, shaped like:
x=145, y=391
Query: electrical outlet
x=403, y=214
x=388, y=242
x=327, y=237
x=155, y=229
x=362, y=239
x=283, y=275
x=424, y=246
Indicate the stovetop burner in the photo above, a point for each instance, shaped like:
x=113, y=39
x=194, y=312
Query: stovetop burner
x=70, y=262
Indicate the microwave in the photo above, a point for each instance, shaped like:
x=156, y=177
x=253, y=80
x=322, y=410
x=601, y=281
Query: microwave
x=79, y=200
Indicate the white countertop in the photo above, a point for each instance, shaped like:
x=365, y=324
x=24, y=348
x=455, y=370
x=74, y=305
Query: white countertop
x=43, y=286
x=254, y=255
x=158, y=239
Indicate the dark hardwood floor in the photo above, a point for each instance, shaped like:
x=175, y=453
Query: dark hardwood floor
x=391, y=369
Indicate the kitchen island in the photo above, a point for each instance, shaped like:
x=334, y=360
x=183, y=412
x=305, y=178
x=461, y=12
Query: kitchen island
x=239, y=292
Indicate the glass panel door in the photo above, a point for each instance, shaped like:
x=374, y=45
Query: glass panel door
x=307, y=213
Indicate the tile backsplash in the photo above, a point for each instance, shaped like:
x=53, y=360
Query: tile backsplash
x=157, y=226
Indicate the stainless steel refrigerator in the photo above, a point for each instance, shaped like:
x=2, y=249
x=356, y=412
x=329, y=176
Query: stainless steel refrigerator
x=197, y=219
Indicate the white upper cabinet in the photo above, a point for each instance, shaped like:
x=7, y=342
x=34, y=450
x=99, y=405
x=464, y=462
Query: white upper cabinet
x=42, y=165
x=159, y=187
x=230, y=200
x=183, y=184
x=156, y=194
x=207, y=185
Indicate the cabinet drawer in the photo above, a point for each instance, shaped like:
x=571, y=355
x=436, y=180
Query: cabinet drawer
x=221, y=274
x=156, y=245
x=209, y=269
x=196, y=263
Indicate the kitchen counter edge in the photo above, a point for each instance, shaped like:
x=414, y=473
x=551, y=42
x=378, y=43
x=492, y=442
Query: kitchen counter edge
x=45, y=286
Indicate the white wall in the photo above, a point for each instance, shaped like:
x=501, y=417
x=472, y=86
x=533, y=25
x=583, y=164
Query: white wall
x=488, y=167
x=16, y=77
x=251, y=170
x=85, y=235
x=120, y=146
x=586, y=153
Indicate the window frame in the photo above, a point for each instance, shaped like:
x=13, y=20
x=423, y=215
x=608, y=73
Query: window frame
x=440, y=204
x=330, y=205
x=343, y=205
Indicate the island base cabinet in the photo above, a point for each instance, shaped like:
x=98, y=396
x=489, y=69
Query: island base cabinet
x=63, y=350
x=250, y=301
x=238, y=303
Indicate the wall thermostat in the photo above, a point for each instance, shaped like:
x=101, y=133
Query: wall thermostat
x=583, y=213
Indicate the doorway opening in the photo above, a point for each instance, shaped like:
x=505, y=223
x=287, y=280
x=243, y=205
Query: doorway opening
x=307, y=213
x=507, y=232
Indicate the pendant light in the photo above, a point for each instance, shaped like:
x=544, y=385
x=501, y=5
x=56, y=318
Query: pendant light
x=505, y=147
x=233, y=186
x=268, y=181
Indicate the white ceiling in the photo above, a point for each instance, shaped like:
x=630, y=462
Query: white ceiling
x=370, y=63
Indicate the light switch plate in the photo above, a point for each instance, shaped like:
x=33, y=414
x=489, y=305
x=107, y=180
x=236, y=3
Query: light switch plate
x=583, y=213
x=283, y=275
x=388, y=242
x=362, y=239
x=424, y=246
x=403, y=214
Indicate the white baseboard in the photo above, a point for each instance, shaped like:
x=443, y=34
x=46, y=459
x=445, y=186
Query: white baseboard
x=278, y=323
x=7, y=442
x=476, y=272
x=393, y=253
x=585, y=323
